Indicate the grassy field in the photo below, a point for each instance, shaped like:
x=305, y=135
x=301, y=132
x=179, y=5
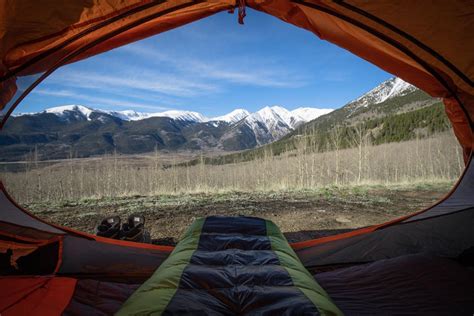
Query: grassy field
x=429, y=160
x=301, y=214
x=303, y=191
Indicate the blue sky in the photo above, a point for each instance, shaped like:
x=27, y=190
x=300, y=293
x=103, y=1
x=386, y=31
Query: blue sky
x=213, y=66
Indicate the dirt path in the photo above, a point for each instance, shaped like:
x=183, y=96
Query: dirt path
x=300, y=214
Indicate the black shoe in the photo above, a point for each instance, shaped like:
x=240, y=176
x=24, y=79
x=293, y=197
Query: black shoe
x=109, y=227
x=134, y=230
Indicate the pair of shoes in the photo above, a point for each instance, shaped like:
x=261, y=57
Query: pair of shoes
x=109, y=227
x=132, y=230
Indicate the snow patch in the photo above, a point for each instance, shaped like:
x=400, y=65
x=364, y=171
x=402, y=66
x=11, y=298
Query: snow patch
x=182, y=115
x=308, y=114
x=232, y=117
x=386, y=90
x=275, y=119
x=65, y=110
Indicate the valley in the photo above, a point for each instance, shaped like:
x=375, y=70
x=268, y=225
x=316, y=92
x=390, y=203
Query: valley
x=386, y=154
x=391, y=112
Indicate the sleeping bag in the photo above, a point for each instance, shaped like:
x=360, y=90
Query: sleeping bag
x=231, y=266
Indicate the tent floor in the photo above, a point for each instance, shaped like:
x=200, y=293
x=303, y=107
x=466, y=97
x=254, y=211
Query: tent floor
x=414, y=284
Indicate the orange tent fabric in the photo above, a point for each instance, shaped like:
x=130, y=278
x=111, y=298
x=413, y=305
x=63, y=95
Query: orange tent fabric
x=36, y=37
x=35, y=295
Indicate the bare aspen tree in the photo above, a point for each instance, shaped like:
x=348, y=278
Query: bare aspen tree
x=336, y=139
x=304, y=166
x=38, y=177
x=314, y=149
x=358, y=141
x=156, y=165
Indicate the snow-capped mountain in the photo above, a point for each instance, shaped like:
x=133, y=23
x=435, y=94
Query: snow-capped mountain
x=390, y=88
x=390, y=98
x=309, y=114
x=388, y=113
x=270, y=116
x=232, y=117
x=66, y=111
x=272, y=123
x=77, y=111
x=60, y=130
x=182, y=116
x=130, y=115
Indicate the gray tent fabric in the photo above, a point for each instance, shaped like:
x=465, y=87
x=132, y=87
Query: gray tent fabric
x=79, y=254
x=460, y=199
x=88, y=259
x=10, y=213
x=441, y=236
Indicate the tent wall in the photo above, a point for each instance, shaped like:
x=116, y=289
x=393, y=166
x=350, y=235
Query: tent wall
x=79, y=254
x=90, y=259
x=11, y=214
x=445, y=236
x=444, y=229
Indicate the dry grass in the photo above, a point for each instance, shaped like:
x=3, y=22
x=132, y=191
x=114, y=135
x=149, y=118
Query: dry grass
x=424, y=160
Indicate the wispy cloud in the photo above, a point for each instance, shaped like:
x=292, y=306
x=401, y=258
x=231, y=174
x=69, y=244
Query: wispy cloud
x=336, y=76
x=234, y=69
x=100, y=101
x=133, y=78
x=142, y=76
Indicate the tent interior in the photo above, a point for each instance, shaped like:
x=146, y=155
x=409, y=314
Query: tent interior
x=421, y=263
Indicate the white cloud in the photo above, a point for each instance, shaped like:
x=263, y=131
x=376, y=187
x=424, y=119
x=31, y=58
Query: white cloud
x=98, y=101
x=336, y=76
x=130, y=79
x=250, y=71
x=56, y=93
x=148, y=76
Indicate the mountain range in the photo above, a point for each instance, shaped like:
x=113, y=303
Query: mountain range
x=392, y=111
x=81, y=131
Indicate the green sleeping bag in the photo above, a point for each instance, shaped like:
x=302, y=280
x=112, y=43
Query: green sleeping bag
x=231, y=266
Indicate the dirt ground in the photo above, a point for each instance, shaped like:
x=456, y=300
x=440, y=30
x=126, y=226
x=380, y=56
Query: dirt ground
x=299, y=214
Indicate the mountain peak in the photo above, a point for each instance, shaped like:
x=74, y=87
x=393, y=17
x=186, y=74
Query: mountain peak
x=69, y=107
x=273, y=115
x=387, y=89
x=182, y=115
x=273, y=108
x=73, y=108
x=232, y=117
x=308, y=114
